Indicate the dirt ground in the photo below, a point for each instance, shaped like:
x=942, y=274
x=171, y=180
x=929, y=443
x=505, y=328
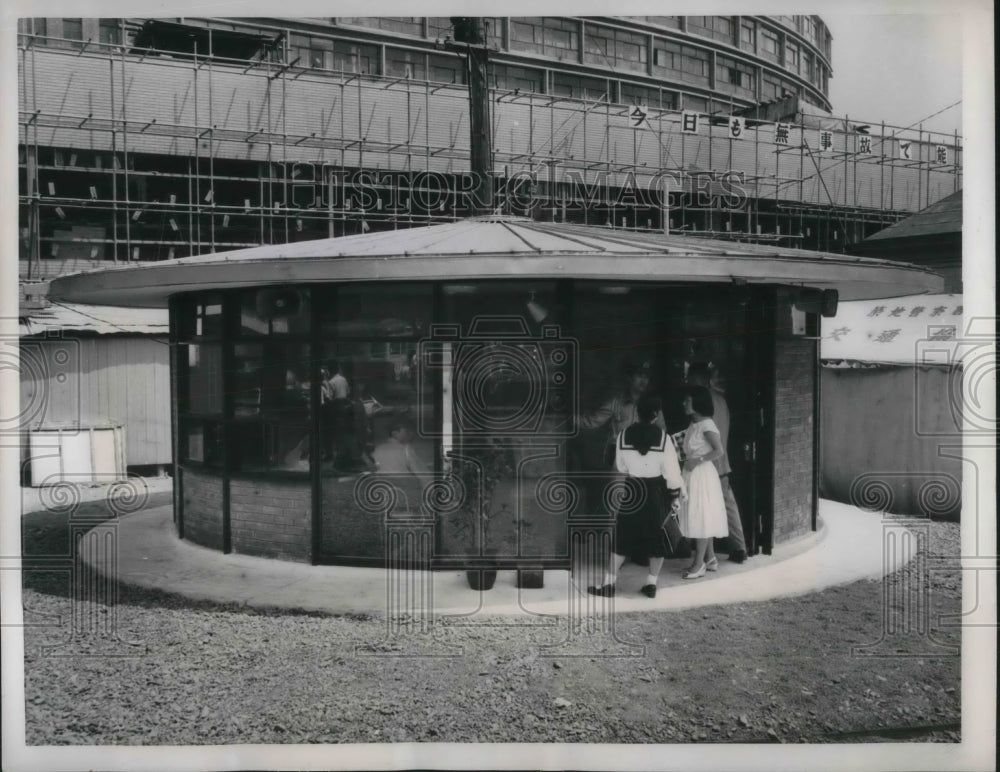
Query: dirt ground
x=187, y=673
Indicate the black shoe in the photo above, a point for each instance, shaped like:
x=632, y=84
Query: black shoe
x=649, y=590
x=605, y=591
x=738, y=556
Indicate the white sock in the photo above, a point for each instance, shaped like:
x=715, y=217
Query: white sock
x=650, y=579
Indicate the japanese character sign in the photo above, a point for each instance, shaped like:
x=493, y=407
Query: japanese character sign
x=905, y=150
x=781, y=133
x=864, y=144
x=637, y=115
x=886, y=336
x=735, y=127
x=941, y=154
x=826, y=140
x=689, y=123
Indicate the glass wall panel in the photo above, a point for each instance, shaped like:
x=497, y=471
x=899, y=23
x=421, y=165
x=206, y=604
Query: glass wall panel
x=377, y=434
x=270, y=426
x=200, y=379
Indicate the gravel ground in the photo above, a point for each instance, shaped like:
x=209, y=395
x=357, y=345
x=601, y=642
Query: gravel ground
x=188, y=673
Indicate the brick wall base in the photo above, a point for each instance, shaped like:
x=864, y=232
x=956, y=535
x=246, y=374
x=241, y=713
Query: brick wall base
x=795, y=359
x=271, y=518
x=201, y=495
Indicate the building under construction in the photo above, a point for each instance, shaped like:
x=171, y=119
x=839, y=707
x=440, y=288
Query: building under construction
x=150, y=139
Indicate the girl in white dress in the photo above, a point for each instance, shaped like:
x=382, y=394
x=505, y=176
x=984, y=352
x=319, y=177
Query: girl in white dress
x=704, y=517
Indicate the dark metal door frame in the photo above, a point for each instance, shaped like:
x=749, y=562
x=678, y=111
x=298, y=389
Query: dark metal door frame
x=761, y=330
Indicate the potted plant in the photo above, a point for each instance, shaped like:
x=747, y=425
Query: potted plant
x=481, y=470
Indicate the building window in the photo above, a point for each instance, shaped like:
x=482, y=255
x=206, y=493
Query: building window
x=809, y=29
x=716, y=27
x=439, y=27
x=405, y=64
x=404, y=25
x=546, y=35
x=810, y=68
x=748, y=36
x=633, y=94
x=355, y=57
x=671, y=22
x=615, y=48
x=110, y=32
x=729, y=72
x=666, y=55
x=768, y=44
x=695, y=63
x=579, y=87
x=39, y=28
x=311, y=52
x=791, y=56
x=73, y=29
x=522, y=78
x=444, y=69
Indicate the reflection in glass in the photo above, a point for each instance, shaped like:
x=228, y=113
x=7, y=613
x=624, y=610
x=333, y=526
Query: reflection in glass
x=378, y=312
x=201, y=318
x=201, y=442
x=202, y=379
x=271, y=417
x=275, y=311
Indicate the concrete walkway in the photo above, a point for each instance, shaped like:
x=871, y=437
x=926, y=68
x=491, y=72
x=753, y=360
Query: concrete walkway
x=848, y=547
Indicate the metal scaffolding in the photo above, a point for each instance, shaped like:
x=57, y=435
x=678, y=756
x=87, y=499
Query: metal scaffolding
x=133, y=155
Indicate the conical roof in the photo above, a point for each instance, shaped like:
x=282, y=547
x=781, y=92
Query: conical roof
x=497, y=247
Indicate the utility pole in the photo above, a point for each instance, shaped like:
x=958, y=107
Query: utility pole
x=470, y=31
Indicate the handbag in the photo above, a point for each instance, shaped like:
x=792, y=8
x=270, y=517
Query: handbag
x=672, y=531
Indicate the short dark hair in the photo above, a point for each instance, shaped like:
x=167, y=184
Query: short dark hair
x=634, y=368
x=701, y=400
x=701, y=371
x=647, y=407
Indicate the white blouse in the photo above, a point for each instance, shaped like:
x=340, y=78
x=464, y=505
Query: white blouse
x=659, y=460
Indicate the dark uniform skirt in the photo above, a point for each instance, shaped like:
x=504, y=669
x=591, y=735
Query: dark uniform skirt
x=639, y=521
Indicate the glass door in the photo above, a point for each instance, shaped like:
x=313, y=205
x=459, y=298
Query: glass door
x=506, y=370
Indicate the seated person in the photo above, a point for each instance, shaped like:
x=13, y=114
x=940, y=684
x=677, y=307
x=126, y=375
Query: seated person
x=396, y=456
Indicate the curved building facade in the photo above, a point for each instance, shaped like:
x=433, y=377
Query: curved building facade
x=151, y=139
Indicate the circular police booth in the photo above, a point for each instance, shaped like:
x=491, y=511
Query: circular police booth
x=454, y=376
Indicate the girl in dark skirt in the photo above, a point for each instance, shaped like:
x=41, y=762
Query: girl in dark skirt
x=646, y=454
